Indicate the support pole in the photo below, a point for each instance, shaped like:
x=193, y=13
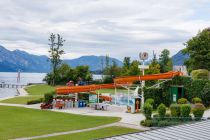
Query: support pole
x=128, y=96
x=142, y=88
x=98, y=96
x=115, y=92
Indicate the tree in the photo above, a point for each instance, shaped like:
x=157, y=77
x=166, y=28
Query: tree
x=154, y=68
x=82, y=73
x=126, y=66
x=165, y=61
x=107, y=65
x=198, y=49
x=56, y=42
x=134, y=68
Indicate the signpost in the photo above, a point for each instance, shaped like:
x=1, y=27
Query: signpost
x=143, y=56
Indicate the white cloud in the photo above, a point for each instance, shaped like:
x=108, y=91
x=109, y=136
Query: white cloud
x=99, y=27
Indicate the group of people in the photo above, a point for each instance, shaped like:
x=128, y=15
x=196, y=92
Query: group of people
x=64, y=103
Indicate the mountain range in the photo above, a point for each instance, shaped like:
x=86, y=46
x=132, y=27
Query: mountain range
x=12, y=61
x=179, y=58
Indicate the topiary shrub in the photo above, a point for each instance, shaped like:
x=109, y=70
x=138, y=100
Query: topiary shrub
x=162, y=110
x=182, y=101
x=48, y=97
x=147, y=123
x=34, y=101
x=175, y=110
x=200, y=74
x=196, y=100
x=150, y=101
x=147, y=109
x=198, y=111
x=185, y=110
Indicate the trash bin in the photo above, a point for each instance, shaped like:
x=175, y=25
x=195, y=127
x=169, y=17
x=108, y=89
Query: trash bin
x=80, y=104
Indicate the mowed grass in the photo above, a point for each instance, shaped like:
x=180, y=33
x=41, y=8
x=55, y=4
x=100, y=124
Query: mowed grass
x=23, y=122
x=39, y=89
x=21, y=99
x=112, y=91
x=94, y=134
x=35, y=92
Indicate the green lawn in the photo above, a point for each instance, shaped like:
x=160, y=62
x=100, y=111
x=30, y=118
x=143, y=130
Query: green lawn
x=39, y=89
x=112, y=91
x=94, y=134
x=21, y=99
x=23, y=122
x=35, y=92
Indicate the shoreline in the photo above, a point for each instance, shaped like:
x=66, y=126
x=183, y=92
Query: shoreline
x=20, y=92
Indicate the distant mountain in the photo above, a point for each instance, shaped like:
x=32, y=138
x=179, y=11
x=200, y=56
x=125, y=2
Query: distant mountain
x=94, y=62
x=179, y=58
x=12, y=61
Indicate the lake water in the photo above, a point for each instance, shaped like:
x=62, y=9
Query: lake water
x=25, y=78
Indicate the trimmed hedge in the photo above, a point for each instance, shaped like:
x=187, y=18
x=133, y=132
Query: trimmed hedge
x=162, y=110
x=200, y=74
x=198, y=111
x=185, y=110
x=158, y=95
x=35, y=101
x=192, y=89
x=150, y=101
x=147, y=123
x=147, y=109
x=196, y=100
x=182, y=101
x=175, y=110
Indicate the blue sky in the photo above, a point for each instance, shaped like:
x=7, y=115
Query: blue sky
x=98, y=27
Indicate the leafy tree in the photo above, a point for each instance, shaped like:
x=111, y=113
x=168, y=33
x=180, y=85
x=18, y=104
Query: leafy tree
x=154, y=67
x=82, y=73
x=107, y=65
x=165, y=61
x=126, y=66
x=112, y=72
x=134, y=69
x=198, y=48
x=56, y=42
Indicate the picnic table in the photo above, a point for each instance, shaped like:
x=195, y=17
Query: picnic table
x=99, y=106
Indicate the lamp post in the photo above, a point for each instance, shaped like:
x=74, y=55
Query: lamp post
x=143, y=56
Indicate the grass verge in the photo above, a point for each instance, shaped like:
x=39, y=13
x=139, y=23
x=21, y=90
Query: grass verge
x=21, y=99
x=23, y=122
x=94, y=134
x=39, y=89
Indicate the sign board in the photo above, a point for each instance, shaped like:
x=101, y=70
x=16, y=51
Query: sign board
x=143, y=66
x=174, y=97
x=143, y=56
x=93, y=98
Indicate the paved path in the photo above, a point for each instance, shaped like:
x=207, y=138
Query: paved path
x=22, y=92
x=67, y=132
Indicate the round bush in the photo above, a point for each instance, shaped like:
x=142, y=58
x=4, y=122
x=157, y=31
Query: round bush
x=185, y=110
x=196, y=100
x=182, y=101
x=147, y=123
x=198, y=111
x=150, y=101
x=162, y=110
x=147, y=109
x=175, y=110
x=200, y=74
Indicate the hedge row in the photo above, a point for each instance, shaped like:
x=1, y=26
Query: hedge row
x=192, y=88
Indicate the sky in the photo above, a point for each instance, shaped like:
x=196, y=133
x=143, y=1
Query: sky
x=117, y=28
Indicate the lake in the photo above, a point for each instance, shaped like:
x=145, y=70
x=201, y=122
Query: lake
x=25, y=78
